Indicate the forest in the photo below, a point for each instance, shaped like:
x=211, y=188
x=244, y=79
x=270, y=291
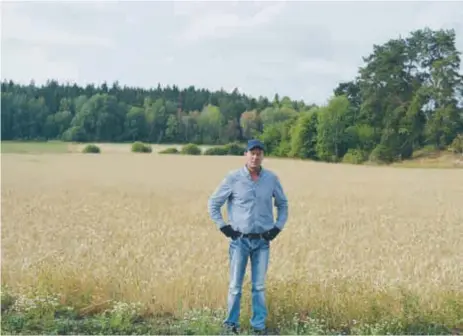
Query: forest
x=408, y=94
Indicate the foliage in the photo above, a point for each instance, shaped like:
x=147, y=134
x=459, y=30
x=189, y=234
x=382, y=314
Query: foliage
x=355, y=156
x=170, y=150
x=277, y=138
x=233, y=148
x=381, y=154
x=91, y=149
x=139, y=147
x=331, y=130
x=408, y=94
x=191, y=149
x=457, y=144
x=304, y=136
x=216, y=150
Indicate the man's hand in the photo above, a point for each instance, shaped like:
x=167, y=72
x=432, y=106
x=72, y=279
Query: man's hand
x=271, y=234
x=229, y=232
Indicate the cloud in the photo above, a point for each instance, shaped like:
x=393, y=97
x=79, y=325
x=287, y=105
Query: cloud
x=326, y=67
x=216, y=22
x=35, y=60
x=294, y=48
x=18, y=25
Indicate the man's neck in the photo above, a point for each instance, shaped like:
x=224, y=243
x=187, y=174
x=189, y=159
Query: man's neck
x=255, y=171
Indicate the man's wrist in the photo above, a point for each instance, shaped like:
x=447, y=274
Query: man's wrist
x=276, y=228
x=276, y=231
x=225, y=229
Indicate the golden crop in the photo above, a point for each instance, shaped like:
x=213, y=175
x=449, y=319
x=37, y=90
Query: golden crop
x=135, y=227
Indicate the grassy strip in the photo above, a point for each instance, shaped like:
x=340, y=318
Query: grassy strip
x=37, y=313
x=34, y=147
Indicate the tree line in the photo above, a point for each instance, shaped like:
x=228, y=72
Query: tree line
x=408, y=94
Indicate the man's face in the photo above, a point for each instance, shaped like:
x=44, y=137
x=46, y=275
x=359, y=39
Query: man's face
x=254, y=158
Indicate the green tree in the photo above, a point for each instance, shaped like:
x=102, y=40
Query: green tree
x=304, y=136
x=408, y=94
x=331, y=130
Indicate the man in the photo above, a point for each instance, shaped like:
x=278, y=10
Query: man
x=249, y=192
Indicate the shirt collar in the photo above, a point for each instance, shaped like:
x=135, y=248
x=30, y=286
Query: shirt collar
x=248, y=173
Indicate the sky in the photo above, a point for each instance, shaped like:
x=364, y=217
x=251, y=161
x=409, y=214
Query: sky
x=297, y=49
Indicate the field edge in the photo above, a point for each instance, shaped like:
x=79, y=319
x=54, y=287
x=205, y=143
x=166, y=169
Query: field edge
x=421, y=159
x=42, y=311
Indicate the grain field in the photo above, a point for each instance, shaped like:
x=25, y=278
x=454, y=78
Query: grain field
x=135, y=227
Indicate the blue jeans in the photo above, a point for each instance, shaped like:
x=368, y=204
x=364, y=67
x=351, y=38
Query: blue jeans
x=242, y=249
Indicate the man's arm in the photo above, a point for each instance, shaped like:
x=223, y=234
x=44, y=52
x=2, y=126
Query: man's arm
x=281, y=203
x=218, y=199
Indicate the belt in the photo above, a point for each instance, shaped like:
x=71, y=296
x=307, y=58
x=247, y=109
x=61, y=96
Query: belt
x=253, y=235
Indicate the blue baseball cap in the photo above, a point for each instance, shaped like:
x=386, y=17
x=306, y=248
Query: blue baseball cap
x=254, y=144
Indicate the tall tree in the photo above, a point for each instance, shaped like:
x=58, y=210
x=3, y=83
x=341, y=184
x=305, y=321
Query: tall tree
x=331, y=130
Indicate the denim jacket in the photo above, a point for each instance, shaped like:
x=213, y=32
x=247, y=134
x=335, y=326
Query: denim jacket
x=249, y=203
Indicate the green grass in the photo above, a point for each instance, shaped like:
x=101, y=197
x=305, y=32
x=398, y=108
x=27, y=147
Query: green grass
x=40, y=313
x=34, y=147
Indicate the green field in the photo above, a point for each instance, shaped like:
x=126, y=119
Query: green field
x=32, y=147
x=55, y=147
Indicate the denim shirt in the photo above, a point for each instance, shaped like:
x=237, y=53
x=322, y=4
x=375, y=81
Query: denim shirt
x=249, y=203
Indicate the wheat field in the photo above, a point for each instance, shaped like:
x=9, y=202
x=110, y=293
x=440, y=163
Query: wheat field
x=135, y=227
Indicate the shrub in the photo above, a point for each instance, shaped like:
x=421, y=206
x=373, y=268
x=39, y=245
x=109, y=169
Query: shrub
x=139, y=147
x=428, y=150
x=355, y=156
x=191, y=149
x=457, y=144
x=170, y=150
x=234, y=148
x=381, y=154
x=91, y=149
x=219, y=150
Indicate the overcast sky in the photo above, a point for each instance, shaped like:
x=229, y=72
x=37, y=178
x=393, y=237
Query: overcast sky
x=298, y=49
